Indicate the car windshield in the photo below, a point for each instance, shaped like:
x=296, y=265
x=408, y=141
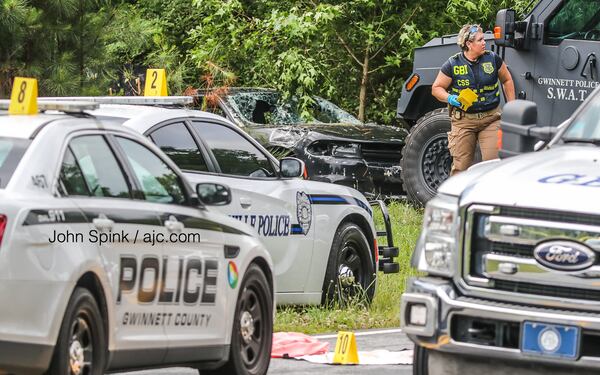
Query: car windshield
x=586, y=126
x=11, y=152
x=267, y=107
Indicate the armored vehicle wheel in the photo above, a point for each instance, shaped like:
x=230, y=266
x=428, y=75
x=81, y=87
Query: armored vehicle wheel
x=81, y=346
x=420, y=361
x=350, y=271
x=251, y=341
x=426, y=160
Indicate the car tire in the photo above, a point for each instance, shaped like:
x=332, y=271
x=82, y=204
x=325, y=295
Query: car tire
x=251, y=339
x=426, y=161
x=81, y=345
x=420, y=361
x=350, y=269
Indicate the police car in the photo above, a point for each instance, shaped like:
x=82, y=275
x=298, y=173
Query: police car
x=108, y=259
x=321, y=236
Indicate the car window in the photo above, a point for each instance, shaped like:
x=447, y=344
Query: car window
x=586, y=126
x=234, y=153
x=11, y=152
x=71, y=177
x=576, y=19
x=101, y=172
x=159, y=183
x=177, y=142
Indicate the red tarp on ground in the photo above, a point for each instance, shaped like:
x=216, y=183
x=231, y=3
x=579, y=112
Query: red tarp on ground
x=294, y=344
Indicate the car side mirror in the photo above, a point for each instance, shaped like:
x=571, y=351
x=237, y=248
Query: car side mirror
x=519, y=128
x=291, y=167
x=212, y=194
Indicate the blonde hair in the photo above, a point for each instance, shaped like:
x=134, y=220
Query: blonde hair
x=467, y=34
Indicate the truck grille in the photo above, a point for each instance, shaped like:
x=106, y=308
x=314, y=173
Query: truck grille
x=381, y=153
x=499, y=252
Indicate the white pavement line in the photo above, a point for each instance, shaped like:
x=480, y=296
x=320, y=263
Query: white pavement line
x=366, y=333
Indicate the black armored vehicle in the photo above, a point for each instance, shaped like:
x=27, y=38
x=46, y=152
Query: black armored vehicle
x=552, y=55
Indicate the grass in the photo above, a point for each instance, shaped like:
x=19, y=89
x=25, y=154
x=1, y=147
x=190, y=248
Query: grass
x=384, y=311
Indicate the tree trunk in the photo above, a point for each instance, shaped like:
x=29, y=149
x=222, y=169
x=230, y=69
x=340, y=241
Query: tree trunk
x=362, y=98
x=81, y=46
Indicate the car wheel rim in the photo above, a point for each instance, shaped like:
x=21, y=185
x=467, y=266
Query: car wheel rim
x=251, y=327
x=81, y=348
x=436, y=162
x=351, y=269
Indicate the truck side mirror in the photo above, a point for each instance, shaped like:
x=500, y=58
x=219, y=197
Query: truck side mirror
x=515, y=34
x=504, y=30
x=291, y=167
x=519, y=128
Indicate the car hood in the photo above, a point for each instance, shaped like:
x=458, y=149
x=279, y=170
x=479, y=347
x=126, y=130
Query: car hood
x=564, y=178
x=342, y=132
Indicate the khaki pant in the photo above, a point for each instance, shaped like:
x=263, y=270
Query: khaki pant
x=466, y=132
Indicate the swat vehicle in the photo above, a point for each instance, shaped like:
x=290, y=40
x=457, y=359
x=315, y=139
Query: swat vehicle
x=510, y=272
x=551, y=55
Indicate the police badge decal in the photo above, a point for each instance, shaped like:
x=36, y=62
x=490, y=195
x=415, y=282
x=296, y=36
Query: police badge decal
x=303, y=211
x=488, y=67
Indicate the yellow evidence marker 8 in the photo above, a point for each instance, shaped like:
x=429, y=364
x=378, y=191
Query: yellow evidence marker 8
x=346, y=352
x=23, y=98
x=156, y=83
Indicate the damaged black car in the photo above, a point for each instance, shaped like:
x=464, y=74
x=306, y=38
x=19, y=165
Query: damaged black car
x=335, y=146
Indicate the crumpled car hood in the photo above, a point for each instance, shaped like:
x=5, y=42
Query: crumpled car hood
x=374, y=133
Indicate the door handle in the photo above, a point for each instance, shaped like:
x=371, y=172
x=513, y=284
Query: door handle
x=103, y=223
x=173, y=225
x=245, y=202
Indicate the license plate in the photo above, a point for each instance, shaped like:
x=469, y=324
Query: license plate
x=551, y=340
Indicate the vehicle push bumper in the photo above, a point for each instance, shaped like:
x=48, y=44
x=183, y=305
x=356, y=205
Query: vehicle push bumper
x=436, y=317
x=388, y=252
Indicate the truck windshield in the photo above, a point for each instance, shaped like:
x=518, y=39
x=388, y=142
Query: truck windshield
x=586, y=126
x=11, y=151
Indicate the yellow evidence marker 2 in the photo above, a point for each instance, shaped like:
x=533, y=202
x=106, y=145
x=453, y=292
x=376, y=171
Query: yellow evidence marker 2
x=156, y=83
x=23, y=98
x=346, y=352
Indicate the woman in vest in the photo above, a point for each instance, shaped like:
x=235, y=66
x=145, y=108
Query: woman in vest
x=478, y=70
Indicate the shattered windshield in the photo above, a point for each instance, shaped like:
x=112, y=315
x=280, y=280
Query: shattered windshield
x=586, y=126
x=268, y=108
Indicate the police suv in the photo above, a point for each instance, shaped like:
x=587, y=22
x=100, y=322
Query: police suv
x=511, y=253
x=109, y=260
x=321, y=236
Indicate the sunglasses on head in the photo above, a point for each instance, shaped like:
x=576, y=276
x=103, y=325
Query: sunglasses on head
x=472, y=30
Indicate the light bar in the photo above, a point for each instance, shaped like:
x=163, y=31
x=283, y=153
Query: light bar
x=71, y=106
x=130, y=100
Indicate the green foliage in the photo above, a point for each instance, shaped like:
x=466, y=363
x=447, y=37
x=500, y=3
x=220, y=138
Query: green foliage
x=481, y=11
x=356, y=53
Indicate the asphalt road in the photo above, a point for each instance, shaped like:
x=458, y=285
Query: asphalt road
x=392, y=340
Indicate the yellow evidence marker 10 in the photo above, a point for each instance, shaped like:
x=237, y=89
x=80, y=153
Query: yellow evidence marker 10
x=346, y=352
x=23, y=98
x=156, y=83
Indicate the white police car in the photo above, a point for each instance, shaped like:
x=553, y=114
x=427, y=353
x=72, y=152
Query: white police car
x=321, y=236
x=109, y=261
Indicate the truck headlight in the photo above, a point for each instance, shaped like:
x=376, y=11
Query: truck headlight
x=437, y=245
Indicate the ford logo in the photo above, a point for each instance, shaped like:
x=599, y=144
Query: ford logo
x=564, y=255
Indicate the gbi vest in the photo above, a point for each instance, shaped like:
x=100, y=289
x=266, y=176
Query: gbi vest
x=480, y=76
